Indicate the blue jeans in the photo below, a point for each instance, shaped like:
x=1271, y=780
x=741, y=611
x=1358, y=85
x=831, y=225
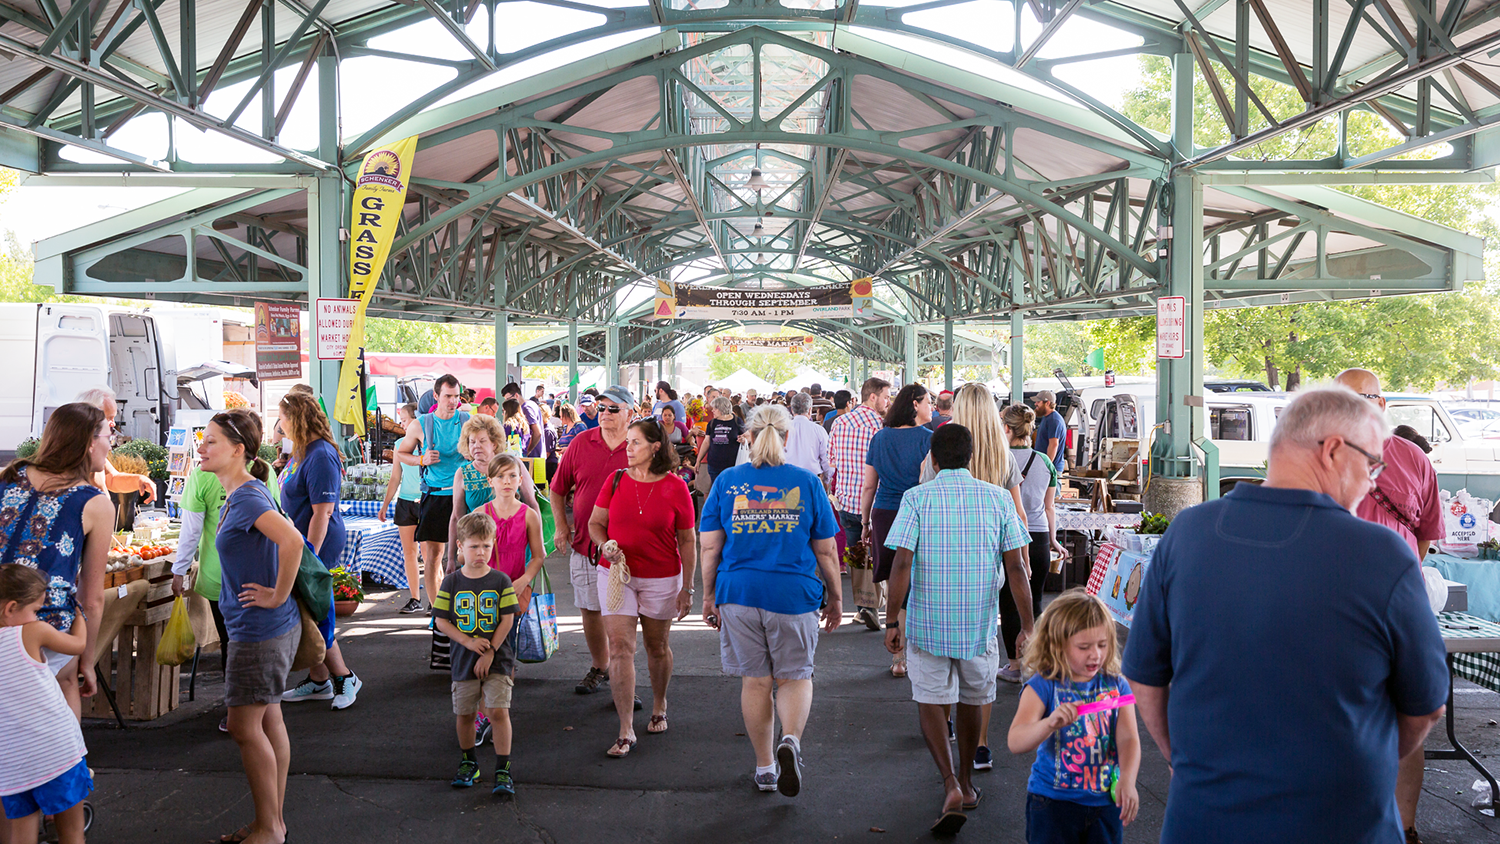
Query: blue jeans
x=854, y=528
x=1053, y=821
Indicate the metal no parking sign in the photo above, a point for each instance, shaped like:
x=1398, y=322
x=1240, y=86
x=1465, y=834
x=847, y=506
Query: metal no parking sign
x=1171, y=327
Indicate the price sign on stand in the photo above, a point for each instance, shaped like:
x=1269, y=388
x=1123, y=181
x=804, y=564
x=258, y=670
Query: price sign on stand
x=1171, y=327
x=335, y=321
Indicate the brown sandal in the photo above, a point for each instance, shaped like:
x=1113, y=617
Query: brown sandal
x=657, y=724
x=621, y=748
x=898, y=667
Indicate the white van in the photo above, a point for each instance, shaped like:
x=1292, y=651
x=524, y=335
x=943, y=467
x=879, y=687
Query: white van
x=55, y=351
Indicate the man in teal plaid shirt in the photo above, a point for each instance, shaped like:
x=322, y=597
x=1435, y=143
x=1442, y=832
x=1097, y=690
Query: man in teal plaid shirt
x=952, y=536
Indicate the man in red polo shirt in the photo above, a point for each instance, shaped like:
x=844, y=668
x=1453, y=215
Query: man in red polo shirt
x=590, y=459
x=1405, y=499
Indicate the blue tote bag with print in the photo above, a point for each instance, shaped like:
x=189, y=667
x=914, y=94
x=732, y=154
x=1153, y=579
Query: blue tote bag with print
x=536, y=629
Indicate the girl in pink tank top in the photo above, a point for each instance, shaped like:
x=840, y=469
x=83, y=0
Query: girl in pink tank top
x=518, y=529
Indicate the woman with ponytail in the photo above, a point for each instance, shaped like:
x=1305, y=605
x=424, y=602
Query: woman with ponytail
x=767, y=535
x=260, y=551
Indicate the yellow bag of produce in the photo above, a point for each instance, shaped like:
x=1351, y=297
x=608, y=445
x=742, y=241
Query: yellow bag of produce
x=177, y=641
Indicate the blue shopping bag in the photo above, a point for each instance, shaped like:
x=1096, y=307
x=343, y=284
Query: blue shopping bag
x=536, y=629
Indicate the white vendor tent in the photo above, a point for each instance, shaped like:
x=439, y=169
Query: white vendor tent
x=743, y=380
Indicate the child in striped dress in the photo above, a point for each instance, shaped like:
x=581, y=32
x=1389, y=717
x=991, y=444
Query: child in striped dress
x=43, y=769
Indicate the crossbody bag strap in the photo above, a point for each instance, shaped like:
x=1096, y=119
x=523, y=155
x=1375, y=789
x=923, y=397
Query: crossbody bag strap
x=614, y=487
x=1027, y=467
x=1390, y=507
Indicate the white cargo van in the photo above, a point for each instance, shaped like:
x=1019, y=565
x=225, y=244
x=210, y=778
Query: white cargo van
x=152, y=359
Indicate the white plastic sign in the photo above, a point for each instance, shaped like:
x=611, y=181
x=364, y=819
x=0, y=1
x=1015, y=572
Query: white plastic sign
x=335, y=320
x=1171, y=327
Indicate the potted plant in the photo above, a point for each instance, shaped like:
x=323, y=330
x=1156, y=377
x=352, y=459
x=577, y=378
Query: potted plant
x=1152, y=526
x=347, y=593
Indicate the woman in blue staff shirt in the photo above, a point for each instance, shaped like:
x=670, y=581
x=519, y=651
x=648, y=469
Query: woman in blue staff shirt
x=310, y=488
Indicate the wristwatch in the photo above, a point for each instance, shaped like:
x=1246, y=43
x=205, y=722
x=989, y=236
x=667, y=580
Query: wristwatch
x=892, y=625
x=689, y=590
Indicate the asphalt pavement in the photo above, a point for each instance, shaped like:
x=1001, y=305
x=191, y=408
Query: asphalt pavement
x=379, y=771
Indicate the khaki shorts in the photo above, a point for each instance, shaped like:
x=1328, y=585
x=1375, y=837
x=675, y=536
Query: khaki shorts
x=497, y=690
x=942, y=680
x=759, y=643
x=585, y=577
x=649, y=597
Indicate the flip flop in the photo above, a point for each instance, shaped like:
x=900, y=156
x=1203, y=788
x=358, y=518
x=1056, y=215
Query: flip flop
x=657, y=721
x=621, y=748
x=950, y=823
x=978, y=796
x=235, y=837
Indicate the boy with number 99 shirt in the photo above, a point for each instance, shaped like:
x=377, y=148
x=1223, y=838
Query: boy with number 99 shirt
x=475, y=608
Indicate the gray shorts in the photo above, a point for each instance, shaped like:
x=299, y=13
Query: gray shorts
x=585, y=577
x=760, y=643
x=943, y=680
x=256, y=672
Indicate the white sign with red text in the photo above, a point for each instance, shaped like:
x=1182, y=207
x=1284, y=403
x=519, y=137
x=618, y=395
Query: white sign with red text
x=335, y=321
x=1171, y=327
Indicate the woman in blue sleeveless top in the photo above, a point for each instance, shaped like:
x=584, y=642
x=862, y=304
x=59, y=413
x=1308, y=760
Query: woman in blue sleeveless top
x=53, y=519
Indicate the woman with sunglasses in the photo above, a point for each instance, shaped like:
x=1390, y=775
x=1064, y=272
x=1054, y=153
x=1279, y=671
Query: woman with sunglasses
x=643, y=524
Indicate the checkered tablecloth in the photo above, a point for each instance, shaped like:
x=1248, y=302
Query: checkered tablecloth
x=367, y=509
x=374, y=548
x=1075, y=520
x=1482, y=669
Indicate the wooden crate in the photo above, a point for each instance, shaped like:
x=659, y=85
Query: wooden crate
x=143, y=690
x=157, y=605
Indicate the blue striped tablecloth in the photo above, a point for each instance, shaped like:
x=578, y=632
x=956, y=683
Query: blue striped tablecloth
x=374, y=548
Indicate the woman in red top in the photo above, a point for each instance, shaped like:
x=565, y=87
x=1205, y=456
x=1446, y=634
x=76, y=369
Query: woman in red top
x=643, y=523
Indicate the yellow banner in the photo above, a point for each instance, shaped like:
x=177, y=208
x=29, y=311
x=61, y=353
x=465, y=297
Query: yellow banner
x=379, y=196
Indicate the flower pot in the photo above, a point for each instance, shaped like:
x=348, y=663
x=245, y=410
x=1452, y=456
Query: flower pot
x=345, y=608
x=125, y=506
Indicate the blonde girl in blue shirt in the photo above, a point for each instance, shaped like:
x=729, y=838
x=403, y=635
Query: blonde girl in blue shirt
x=1083, y=782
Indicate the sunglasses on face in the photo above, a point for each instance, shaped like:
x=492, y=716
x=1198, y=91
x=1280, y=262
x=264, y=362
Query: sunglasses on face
x=610, y=408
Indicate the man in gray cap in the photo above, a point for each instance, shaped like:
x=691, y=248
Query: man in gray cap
x=1051, y=430
x=586, y=465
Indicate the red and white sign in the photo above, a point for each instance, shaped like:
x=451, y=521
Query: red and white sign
x=334, y=322
x=1171, y=327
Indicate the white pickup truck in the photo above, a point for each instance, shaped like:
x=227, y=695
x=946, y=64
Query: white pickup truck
x=1241, y=425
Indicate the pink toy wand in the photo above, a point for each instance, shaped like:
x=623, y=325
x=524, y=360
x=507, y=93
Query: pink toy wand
x=1101, y=705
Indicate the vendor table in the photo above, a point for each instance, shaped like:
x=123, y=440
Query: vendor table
x=1077, y=520
x=374, y=548
x=1481, y=576
x=1473, y=646
x=367, y=509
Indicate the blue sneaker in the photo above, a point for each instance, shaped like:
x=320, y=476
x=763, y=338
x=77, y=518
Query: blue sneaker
x=504, y=785
x=983, y=760
x=468, y=774
x=308, y=689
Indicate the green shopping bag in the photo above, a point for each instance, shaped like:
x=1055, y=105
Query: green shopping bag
x=549, y=528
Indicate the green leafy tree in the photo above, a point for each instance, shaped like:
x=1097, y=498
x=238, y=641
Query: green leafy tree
x=1412, y=342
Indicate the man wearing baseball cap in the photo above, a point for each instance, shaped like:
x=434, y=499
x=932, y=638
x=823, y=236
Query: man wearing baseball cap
x=590, y=459
x=588, y=412
x=1051, y=430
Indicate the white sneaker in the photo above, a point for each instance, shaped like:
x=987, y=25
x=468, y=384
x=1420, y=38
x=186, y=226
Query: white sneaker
x=1010, y=673
x=345, y=690
x=308, y=689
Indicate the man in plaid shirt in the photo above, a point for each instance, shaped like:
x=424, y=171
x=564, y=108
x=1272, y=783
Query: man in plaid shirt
x=848, y=442
x=951, y=537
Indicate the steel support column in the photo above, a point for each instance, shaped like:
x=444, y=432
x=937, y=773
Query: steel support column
x=1179, y=390
x=612, y=355
x=948, y=354
x=1017, y=328
x=910, y=374
x=573, y=362
x=326, y=214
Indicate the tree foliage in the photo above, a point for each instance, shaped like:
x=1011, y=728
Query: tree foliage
x=1412, y=342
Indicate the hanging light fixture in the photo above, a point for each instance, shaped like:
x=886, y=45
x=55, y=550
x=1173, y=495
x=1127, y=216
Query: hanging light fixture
x=759, y=230
x=760, y=257
x=757, y=182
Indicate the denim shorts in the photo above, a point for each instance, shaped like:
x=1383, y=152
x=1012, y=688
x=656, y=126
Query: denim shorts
x=54, y=796
x=1049, y=819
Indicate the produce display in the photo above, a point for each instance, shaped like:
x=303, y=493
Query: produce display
x=123, y=555
x=1153, y=524
x=365, y=482
x=233, y=399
